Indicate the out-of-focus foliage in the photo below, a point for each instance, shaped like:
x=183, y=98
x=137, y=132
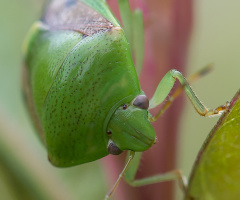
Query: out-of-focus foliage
x=216, y=174
x=215, y=39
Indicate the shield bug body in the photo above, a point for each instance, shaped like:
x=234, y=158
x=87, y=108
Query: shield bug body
x=82, y=88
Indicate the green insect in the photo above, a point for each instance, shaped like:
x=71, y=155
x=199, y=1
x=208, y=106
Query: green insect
x=82, y=89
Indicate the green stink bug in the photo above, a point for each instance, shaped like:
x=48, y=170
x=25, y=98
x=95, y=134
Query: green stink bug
x=82, y=89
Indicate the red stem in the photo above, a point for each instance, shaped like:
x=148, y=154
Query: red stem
x=168, y=26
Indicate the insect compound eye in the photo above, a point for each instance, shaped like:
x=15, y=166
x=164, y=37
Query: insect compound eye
x=113, y=149
x=141, y=101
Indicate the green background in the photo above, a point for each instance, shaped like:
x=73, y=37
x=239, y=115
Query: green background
x=215, y=39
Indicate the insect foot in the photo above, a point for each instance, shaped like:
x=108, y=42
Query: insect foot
x=218, y=111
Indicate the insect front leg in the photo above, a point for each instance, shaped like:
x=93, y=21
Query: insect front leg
x=165, y=87
x=168, y=176
x=130, y=158
x=130, y=169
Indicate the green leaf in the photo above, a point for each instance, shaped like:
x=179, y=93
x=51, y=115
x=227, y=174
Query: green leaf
x=216, y=173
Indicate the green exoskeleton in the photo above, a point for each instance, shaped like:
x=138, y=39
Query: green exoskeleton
x=82, y=88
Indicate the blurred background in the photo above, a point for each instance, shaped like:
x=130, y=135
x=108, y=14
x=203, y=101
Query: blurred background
x=24, y=169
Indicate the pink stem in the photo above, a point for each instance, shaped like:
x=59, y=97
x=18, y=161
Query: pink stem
x=168, y=27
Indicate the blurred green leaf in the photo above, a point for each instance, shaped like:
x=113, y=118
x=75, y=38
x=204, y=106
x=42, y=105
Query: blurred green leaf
x=216, y=174
x=25, y=175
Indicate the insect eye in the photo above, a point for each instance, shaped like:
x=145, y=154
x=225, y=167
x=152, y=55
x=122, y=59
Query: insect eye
x=141, y=101
x=124, y=107
x=113, y=149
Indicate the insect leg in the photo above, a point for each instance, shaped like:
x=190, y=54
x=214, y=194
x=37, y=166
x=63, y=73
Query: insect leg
x=172, y=175
x=126, y=16
x=166, y=85
x=194, y=77
x=168, y=176
x=130, y=158
x=138, y=40
x=134, y=29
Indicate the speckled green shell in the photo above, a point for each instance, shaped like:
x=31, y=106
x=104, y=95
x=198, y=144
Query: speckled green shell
x=78, y=70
